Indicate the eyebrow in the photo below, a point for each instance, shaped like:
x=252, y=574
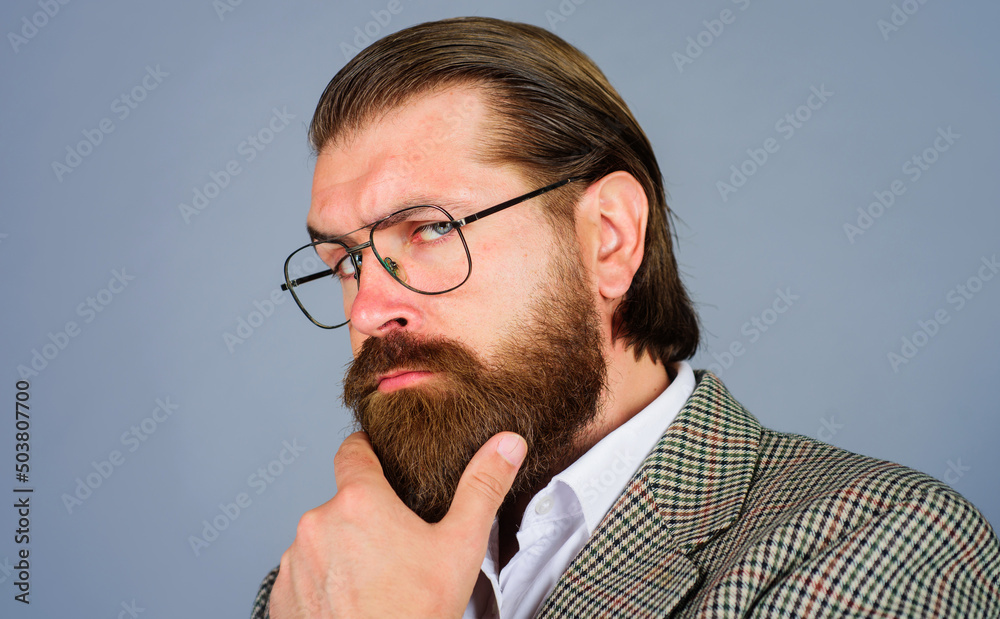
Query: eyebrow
x=448, y=205
x=316, y=235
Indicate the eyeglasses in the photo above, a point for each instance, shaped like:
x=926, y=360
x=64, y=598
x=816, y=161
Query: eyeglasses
x=421, y=247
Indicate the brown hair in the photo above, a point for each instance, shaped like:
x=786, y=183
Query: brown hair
x=555, y=116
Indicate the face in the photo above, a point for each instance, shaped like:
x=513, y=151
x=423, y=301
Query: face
x=425, y=153
x=517, y=347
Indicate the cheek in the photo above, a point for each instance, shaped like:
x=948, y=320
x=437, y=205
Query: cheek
x=513, y=265
x=500, y=279
x=357, y=339
x=497, y=299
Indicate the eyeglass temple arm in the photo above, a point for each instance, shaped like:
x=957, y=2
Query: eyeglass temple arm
x=307, y=279
x=499, y=207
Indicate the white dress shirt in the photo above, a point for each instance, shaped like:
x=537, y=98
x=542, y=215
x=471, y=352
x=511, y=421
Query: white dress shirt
x=560, y=519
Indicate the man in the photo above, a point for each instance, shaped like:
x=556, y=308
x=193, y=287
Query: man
x=488, y=222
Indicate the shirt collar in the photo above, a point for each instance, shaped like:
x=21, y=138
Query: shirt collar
x=599, y=476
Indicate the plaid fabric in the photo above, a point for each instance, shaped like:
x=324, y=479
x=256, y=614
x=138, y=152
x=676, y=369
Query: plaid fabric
x=728, y=519
x=260, y=608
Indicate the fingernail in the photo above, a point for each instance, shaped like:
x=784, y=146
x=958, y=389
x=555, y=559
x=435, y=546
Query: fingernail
x=512, y=448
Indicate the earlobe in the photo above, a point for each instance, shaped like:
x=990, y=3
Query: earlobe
x=623, y=210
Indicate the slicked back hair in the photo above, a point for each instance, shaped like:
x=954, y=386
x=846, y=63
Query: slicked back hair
x=554, y=116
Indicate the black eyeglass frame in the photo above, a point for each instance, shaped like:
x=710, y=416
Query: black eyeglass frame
x=355, y=252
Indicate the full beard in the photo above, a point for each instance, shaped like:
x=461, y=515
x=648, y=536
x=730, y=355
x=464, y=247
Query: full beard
x=545, y=384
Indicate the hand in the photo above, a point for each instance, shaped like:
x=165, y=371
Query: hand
x=364, y=553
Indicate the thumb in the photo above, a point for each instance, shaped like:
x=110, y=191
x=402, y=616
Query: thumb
x=485, y=484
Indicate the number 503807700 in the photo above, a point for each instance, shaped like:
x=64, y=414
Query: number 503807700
x=22, y=423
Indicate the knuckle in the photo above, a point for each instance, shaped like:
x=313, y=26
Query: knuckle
x=308, y=525
x=489, y=486
x=352, y=499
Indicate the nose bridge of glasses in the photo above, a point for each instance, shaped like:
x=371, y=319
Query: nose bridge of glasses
x=389, y=265
x=355, y=253
x=376, y=292
x=357, y=249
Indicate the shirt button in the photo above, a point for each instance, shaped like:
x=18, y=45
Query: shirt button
x=544, y=506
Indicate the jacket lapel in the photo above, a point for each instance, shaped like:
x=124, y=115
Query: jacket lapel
x=690, y=487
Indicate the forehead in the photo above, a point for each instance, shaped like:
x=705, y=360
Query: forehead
x=423, y=152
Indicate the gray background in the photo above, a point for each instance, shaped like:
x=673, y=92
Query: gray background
x=822, y=368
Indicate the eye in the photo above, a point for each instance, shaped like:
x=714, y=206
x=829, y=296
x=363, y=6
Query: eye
x=344, y=269
x=433, y=231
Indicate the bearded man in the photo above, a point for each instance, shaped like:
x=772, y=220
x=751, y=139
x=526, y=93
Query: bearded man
x=488, y=221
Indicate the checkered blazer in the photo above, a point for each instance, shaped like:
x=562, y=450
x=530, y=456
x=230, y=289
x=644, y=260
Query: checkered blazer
x=726, y=518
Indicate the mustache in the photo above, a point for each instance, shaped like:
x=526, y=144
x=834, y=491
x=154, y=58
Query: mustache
x=403, y=350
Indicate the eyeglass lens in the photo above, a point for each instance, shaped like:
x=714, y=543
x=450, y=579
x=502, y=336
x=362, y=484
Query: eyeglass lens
x=418, y=246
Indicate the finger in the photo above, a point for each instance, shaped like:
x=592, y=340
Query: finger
x=356, y=462
x=485, y=483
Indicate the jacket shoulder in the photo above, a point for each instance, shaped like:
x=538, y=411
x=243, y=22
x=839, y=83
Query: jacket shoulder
x=827, y=531
x=797, y=468
x=260, y=604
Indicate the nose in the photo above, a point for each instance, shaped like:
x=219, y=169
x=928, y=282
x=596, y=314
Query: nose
x=382, y=305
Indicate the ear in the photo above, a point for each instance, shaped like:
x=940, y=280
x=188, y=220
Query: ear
x=613, y=227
